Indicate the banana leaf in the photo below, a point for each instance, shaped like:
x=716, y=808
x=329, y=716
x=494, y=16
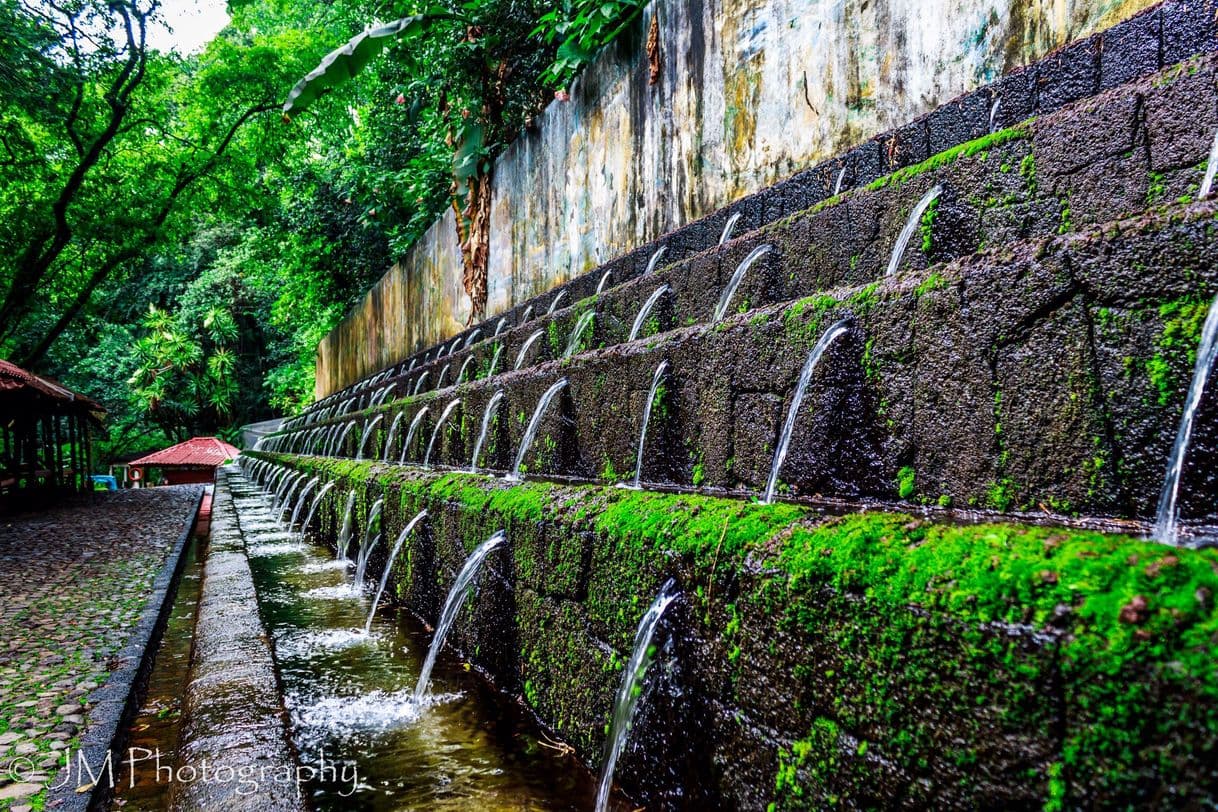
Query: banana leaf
x=341, y=64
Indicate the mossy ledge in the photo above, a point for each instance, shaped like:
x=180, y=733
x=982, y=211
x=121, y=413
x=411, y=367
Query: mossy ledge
x=867, y=659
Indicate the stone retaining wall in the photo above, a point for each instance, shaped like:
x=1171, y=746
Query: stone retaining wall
x=624, y=163
x=863, y=661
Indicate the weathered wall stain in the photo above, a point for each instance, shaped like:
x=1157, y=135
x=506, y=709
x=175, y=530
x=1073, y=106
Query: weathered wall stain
x=750, y=92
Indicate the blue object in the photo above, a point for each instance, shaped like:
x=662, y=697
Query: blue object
x=105, y=479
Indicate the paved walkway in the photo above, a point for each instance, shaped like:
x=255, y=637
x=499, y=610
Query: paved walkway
x=73, y=583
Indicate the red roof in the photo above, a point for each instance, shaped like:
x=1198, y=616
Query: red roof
x=17, y=382
x=201, y=451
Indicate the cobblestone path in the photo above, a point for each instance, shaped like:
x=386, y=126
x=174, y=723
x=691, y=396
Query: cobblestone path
x=73, y=583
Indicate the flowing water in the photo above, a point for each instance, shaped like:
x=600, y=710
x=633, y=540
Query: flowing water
x=654, y=261
x=157, y=725
x=393, y=432
x=577, y=333
x=452, y=404
x=461, y=589
x=495, y=360
x=1211, y=169
x=528, y=344
x=788, y=426
x=605, y=277
x=1166, y=518
x=641, y=317
x=464, y=368
x=630, y=693
x=304, y=527
x=911, y=226
x=725, y=299
x=651, y=397
x=363, y=440
x=304, y=493
x=393, y=554
x=410, y=432
x=372, y=532
x=837, y=185
x=492, y=406
x=350, y=700
x=728, y=228
x=344, y=535
x=531, y=432
x=554, y=304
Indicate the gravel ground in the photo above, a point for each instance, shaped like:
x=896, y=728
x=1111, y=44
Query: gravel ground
x=73, y=583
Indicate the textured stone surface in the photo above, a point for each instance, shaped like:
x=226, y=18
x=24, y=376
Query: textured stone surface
x=750, y=95
x=81, y=586
x=234, y=720
x=1045, y=373
x=810, y=662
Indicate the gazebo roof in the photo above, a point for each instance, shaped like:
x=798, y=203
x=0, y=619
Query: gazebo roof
x=205, y=452
x=34, y=392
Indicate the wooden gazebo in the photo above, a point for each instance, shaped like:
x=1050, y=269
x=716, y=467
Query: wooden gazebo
x=45, y=434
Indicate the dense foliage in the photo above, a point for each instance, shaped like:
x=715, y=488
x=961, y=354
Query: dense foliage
x=173, y=245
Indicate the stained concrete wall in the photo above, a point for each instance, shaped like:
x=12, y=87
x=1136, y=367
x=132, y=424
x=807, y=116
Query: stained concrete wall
x=749, y=92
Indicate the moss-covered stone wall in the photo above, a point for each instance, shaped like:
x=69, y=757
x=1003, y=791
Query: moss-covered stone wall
x=861, y=660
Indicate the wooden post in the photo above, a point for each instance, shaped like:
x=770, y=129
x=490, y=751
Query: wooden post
x=74, y=453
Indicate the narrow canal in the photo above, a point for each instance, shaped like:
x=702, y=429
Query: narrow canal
x=349, y=696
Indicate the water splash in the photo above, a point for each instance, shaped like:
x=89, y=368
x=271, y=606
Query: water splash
x=393, y=554
x=363, y=440
x=469, y=341
x=456, y=596
x=729, y=227
x=788, y=427
x=554, y=304
x=452, y=404
x=655, y=260
x=440, y=379
x=393, y=432
x=499, y=326
x=911, y=226
x=1211, y=169
x=418, y=385
x=644, y=311
x=410, y=432
x=630, y=692
x=725, y=299
x=994, y=109
x=651, y=398
x=534, y=423
x=528, y=313
x=1166, y=519
x=528, y=345
x=344, y=535
x=837, y=185
x=491, y=407
x=577, y=332
x=370, y=539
